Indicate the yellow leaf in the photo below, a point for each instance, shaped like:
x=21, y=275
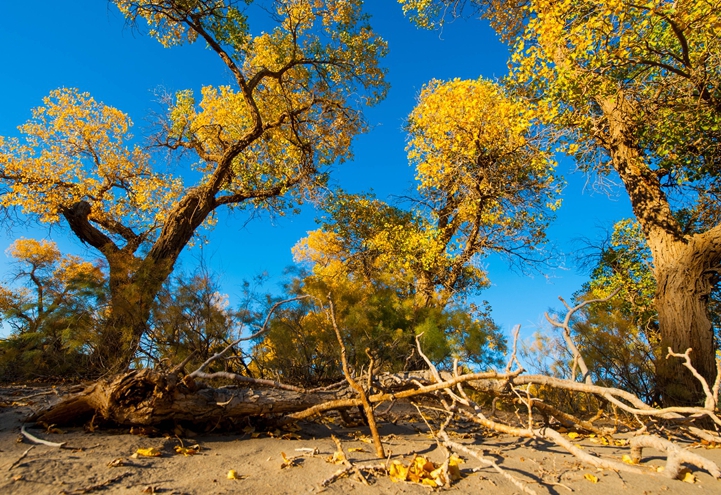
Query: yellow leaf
x=454, y=471
x=187, y=451
x=288, y=462
x=628, y=460
x=357, y=449
x=687, y=476
x=591, y=478
x=151, y=452
x=572, y=435
x=233, y=475
x=397, y=472
x=336, y=458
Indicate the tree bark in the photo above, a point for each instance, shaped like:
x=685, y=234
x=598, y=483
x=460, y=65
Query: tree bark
x=684, y=283
x=683, y=264
x=146, y=397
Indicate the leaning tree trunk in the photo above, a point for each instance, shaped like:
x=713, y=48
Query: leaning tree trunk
x=681, y=262
x=135, y=281
x=132, y=293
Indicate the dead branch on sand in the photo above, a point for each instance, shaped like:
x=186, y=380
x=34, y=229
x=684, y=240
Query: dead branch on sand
x=151, y=397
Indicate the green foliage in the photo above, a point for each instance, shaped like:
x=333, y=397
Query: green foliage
x=190, y=315
x=382, y=322
x=53, y=304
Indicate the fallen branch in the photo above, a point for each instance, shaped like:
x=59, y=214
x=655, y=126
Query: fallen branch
x=35, y=439
x=675, y=456
x=711, y=401
x=367, y=408
x=22, y=456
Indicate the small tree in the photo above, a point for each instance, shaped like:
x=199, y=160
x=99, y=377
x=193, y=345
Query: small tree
x=54, y=305
x=190, y=316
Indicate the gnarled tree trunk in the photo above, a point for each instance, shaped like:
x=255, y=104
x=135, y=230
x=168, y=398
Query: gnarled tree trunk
x=684, y=274
x=682, y=262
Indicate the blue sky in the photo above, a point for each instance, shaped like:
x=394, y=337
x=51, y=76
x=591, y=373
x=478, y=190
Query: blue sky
x=48, y=44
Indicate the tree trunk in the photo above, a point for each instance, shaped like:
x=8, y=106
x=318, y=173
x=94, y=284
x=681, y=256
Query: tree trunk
x=146, y=397
x=683, y=285
x=135, y=281
x=682, y=263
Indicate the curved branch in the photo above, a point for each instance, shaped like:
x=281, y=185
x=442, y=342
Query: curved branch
x=77, y=217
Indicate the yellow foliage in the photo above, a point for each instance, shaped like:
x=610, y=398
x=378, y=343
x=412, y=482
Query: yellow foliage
x=421, y=470
x=75, y=150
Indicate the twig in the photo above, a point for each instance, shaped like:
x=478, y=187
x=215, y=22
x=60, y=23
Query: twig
x=566, y=327
x=371, y=363
x=47, y=392
x=35, y=439
x=487, y=462
x=22, y=456
x=263, y=329
x=367, y=408
x=347, y=461
x=177, y=369
x=513, y=358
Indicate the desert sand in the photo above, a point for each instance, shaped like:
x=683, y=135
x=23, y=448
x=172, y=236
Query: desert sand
x=105, y=461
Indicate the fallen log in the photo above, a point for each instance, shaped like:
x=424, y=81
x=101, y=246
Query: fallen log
x=147, y=397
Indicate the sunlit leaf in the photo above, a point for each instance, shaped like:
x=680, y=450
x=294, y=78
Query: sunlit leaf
x=187, y=451
x=591, y=478
x=150, y=452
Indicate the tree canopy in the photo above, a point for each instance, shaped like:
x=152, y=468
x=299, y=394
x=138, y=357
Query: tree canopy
x=291, y=108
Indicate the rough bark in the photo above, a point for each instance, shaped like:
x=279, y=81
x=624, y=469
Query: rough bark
x=683, y=276
x=147, y=397
x=135, y=282
x=683, y=263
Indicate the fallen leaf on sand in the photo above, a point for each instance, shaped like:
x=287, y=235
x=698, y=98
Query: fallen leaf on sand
x=233, y=475
x=422, y=471
x=687, y=476
x=288, y=461
x=591, y=478
x=187, y=451
x=628, y=460
x=336, y=458
x=151, y=452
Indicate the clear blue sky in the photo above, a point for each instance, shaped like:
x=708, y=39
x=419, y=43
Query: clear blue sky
x=48, y=44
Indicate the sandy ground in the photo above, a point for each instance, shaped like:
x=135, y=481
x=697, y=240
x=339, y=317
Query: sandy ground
x=102, y=461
